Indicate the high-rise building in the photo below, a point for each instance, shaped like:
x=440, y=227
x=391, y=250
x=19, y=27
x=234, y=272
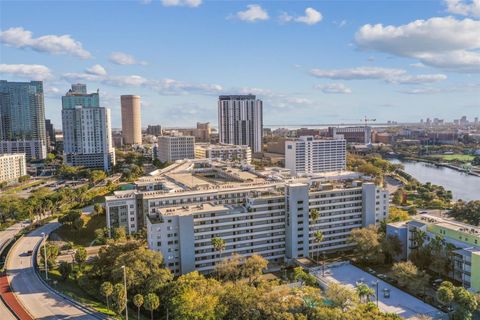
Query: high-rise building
x=155, y=130
x=87, y=133
x=22, y=119
x=12, y=167
x=310, y=155
x=172, y=148
x=240, y=121
x=131, y=119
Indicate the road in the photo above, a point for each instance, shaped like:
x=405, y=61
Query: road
x=5, y=236
x=10, y=232
x=34, y=295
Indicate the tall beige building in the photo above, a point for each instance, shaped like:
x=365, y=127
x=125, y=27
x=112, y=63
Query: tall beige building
x=131, y=119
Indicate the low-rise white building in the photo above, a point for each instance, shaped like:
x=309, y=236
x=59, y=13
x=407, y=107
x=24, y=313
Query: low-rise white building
x=12, y=166
x=224, y=152
x=172, y=148
x=309, y=155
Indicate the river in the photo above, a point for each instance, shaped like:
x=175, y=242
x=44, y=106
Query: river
x=462, y=185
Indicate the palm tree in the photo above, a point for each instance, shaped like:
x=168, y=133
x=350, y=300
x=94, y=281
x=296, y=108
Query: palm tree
x=218, y=245
x=138, y=302
x=364, y=291
x=318, y=238
x=106, y=290
x=314, y=215
x=152, y=302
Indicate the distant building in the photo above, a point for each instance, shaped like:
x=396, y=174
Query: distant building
x=155, y=130
x=310, y=155
x=131, y=119
x=50, y=130
x=12, y=167
x=22, y=119
x=172, y=148
x=464, y=238
x=240, y=121
x=87, y=133
x=361, y=134
x=202, y=132
x=225, y=152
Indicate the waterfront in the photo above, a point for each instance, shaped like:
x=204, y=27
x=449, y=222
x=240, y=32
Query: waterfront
x=462, y=185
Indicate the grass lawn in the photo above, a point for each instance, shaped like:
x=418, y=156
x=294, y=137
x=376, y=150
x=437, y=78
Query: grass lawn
x=456, y=157
x=85, y=235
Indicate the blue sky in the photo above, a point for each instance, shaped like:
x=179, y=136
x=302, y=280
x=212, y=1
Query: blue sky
x=310, y=61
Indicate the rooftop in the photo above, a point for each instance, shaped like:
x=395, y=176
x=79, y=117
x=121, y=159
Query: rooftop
x=448, y=223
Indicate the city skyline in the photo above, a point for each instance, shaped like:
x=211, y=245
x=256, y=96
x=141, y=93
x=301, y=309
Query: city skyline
x=338, y=61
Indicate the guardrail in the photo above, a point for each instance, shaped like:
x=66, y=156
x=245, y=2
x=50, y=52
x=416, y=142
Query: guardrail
x=92, y=312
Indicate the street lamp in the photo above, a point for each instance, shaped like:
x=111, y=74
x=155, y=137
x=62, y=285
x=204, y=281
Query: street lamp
x=375, y=283
x=323, y=264
x=45, y=255
x=125, y=285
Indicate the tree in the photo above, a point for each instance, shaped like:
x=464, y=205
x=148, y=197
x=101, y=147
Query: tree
x=407, y=275
x=305, y=278
x=152, y=302
x=445, y=293
x=97, y=176
x=119, y=234
x=98, y=208
x=80, y=255
x=230, y=269
x=341, y=296
x=314, y=215
x=318, y=238
x=65, y=269
x=106, y=290
x=218, y=245
x=364, y=292
x=78, y=224
x=397, y=215
x=52, y=254
x=367, y=244
x=119, y=298
x=253, y=267
x=391, y=247
x=138, y=302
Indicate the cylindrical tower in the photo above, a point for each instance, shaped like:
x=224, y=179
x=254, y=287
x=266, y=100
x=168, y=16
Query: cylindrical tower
x=131, y=119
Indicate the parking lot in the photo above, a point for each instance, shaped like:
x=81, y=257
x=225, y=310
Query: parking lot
x=399, y=302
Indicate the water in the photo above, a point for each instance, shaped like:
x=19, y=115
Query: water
x=463, y=186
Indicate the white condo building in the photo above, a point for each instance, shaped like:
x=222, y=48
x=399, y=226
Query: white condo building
x=87, y=133
x=187, y=204
x=224, y=152
x=309, y=155
x=171, y=148
x=12, y=167
x=240, y=121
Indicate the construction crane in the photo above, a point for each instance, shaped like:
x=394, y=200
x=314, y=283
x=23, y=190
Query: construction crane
x=366, y=121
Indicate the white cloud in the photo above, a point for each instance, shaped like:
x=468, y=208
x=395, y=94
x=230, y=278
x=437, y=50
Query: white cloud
x=175, y=87
x=254, y=12
x=96, y=70
x=311, y=17
x=64, y=44
x=464, y=87
x=417, y=65
x=338, y=88
x=30, y=71
x=464, y=7
x=387, y=74
x=443, y=42
x=358, y=73
x=122, y=58
x=182, y=3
